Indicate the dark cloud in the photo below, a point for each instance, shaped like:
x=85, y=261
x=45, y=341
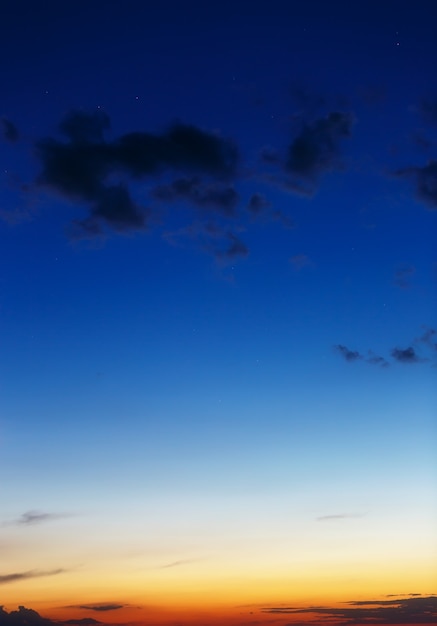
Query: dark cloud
x=405, y=355
x=19, y=576
x=412, y=610
x=84, y=128
x=218, y=196
x=116, y=208
x=315, y=150
x=425, y=180
x=29, y=617
x=258, y=203
x=85, y=621
x=83, y=168
x=354, y=355
x=23, y=617
x=403, y=276
x=99, y=607
x=346, y=353
x=9, y=130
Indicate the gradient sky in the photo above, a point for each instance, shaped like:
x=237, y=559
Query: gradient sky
x=218, y=312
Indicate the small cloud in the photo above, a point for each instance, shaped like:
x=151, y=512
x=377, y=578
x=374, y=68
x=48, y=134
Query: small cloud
x=403, y=276
x=347, y=354
x=178, y=563
x=339, y=516
x=315, y=150
x=406, y=355
x=425, y=180
x=84, y=621
x=299, y=261
x=36, y=517
x=258, y=203
x=100, y=607
x=10, y=131
x=428, y=338
x=375, y=359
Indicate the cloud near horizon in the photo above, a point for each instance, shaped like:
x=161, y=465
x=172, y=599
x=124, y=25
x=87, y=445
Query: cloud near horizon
x=411, y=610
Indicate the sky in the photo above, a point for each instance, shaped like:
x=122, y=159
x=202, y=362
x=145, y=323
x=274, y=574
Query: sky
x=218, y=333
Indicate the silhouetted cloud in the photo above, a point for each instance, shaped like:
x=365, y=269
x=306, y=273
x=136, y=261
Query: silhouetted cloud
x=222, y=198
x=346, y=353
x=403, y=276
x=9, y=130
x=23, y=617
x=99, y=606
x=425, y=179
x=316, y=149
x=83, y=167
x=29, y=617
x=411, y=610
x=19, y=576
x=405, y=355
x=84, y=621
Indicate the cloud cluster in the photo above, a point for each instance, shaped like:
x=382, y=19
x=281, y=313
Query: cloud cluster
x=411, y=610
x=87, y=168
x=29, y=617
x=23, y=617
x=409, y=355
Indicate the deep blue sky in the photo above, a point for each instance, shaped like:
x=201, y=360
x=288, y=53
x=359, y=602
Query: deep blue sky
x=218, y=259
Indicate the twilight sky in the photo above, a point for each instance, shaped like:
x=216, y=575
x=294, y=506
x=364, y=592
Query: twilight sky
x=218, y=321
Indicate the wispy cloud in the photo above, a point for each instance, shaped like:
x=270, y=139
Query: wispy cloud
x=178, y=563
x=411, y=610
x=31, y=518
x=339, y=516
x=20, y=576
